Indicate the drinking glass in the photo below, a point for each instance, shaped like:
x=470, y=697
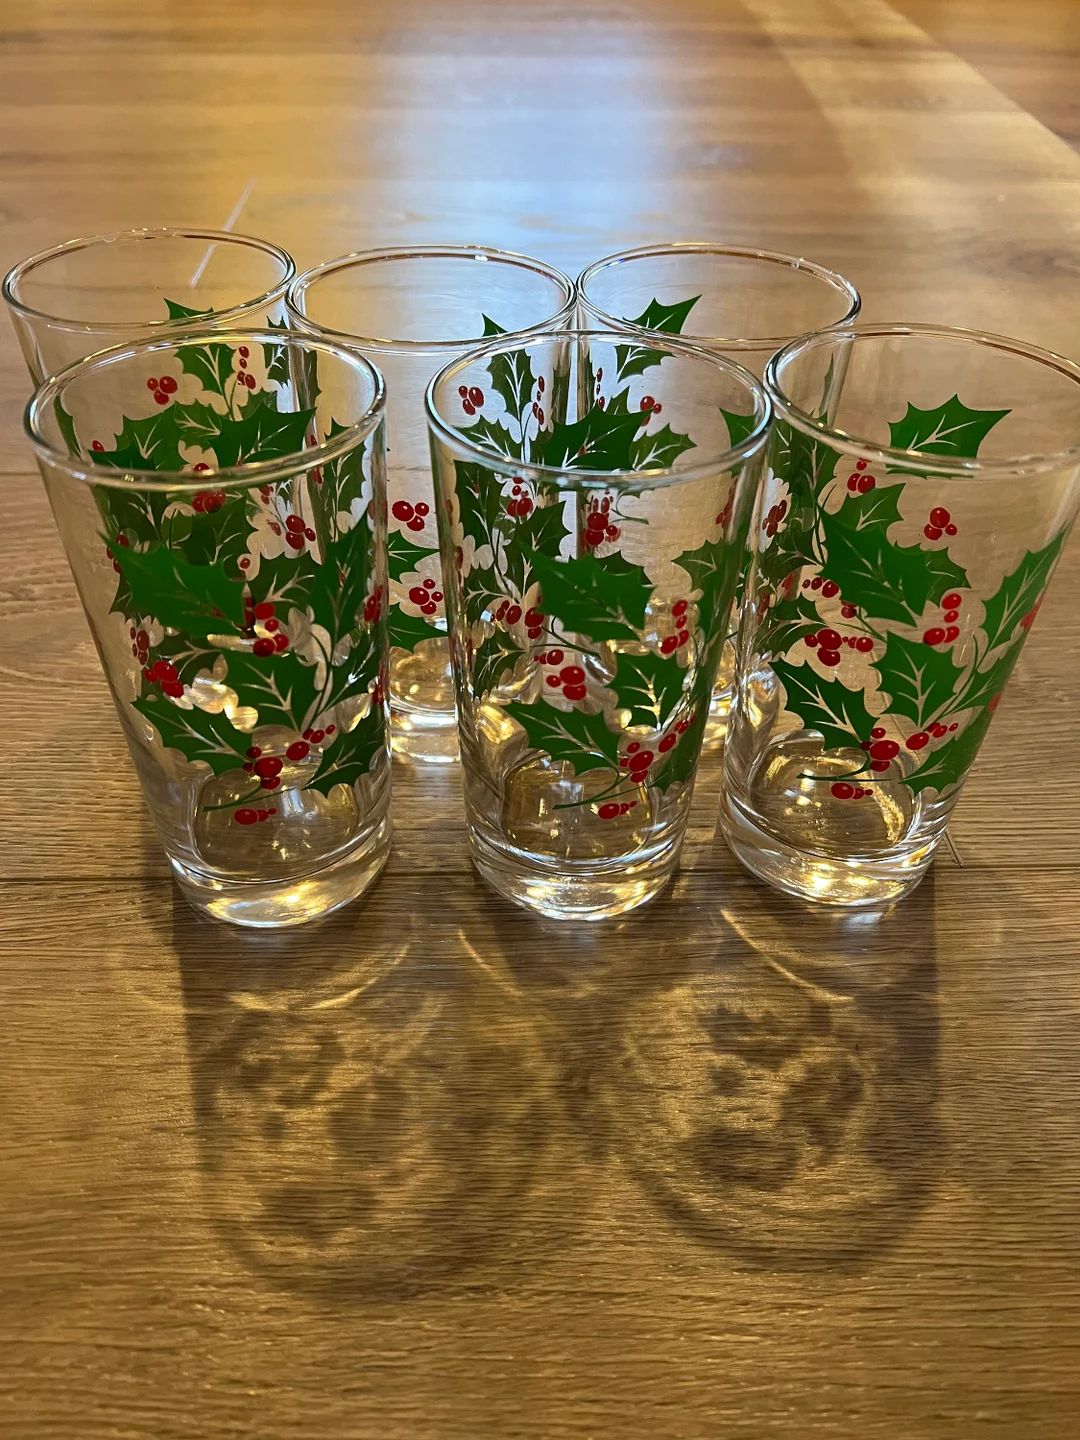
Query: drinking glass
x=221, y=498
x=740, y=302
x=922, y=482
x=410, y=311
x=586, y=582
x=90, y=294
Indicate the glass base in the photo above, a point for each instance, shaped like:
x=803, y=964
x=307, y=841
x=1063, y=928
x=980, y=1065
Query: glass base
x=564, y=895
x=275, y=904
x=828, y=880
x=430, y=736
x=717, y=723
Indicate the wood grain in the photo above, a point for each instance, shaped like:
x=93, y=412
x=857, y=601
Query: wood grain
x=435, y=1168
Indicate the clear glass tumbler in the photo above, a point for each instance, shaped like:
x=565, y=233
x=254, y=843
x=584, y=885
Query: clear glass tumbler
x=586, y=588
x=922, y=482
x=737, y=301
x=410, y=311
x=221, y=498
x=87, y=295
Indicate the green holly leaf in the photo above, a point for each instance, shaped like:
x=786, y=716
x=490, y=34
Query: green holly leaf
x=983, y=685
x=196, y=734
x=540, y=533
x=494, y=435
x=668, y=319
x=262, y=432
x=918, y=679
x=602, y=599
x=276, y=357
x=199, y=424
x=877, y=509
x=124, y=511
x=788, y=622
x=655, y=452
x=739, y=426
x=479, y=589
x=948, y=765
x=340, y=584
x=66, y=425
x=285, y=579
x=950, y=429
x=343, y=478
x=511, y=374
x=1018, y=593
x=149, y=444
x=497, y=657
x=279, y=686
x=838, y=714
x=650, y=687
x=480, y=497
x=889, y=582
x=403, y=555
x=217, y=537
x=713, y=569
x=408, y=631
x=807, y=465
x=188, y=657
x=601, y=440
x=197, y=599
x=211, y=364
x=352, y=757
x=184, y=312
x=583, y=741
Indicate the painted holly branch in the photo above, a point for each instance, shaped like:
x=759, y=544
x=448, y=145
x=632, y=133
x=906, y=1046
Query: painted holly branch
x=901, y=604
x=294, y=635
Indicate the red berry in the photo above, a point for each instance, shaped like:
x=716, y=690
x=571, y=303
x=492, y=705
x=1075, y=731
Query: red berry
x=918, y=740
x=534, y=632
x=668, y=742
x=938, y=730
x=842, y=790
x=829, y=589
x=244, y=562
x=816, y=583
x=853, y=483
x=253, y=752
x=884, y=749
x=572, y=675
x=270, y=783
x=861, y=464
x=418, y=595
x=877, y=732
x=245, y=816
x=934, y=636
x=476, y=396
x=554, y=681
x=423, y=509
x=244, y=352
x=642, y=760
x=951, y=616
x=172, y=688
x=297, y=750
x=294, y=524
x=533, y=617
x=401, y=510
x=940, y=516
x=647, y=402
x=264, y=610
x=281, y=642
x=830, y=639
x=468, y=407
x=632, y=747
x=829, y=657
x=152, y=383
x=812, y=641
x=574, y=692
x=879, y=765
x=951, y=634
x=309, y=533
x=657, y=408
x=294, y=541
x=161, y=397
x=679, y=609
x=463, y=391
x=669, y=644
x=416, y=524
x=608, y=811
x=866, y=484
x=864, y=643
x=555, y=657
x=168, y=384
x=267, y=765
x=951, y=530
x=954, y=725
x=96, y=445
x=317, y=736
x=931, y=532
x=952, y=601
x=263, y=648
x=848, y=612
x=513, y=615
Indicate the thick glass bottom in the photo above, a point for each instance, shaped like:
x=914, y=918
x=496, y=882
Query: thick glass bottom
x=429, y=736
x=275, y=904
x=852, y=880
x=423, y=717
x=574, y=893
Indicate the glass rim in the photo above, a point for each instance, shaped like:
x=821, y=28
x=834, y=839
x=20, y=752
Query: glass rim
x=922, y=462
x=658, y=477
x=242, y=476
x=837, y=282
x=22, y=268
x=302, y=283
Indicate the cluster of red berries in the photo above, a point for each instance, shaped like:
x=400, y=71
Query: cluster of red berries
x=162, y=388
x=772, y=520
x=373, y=605
x=939, y=521
x=163, y=673
x=671, y=643
x=318, y=736
x=297, y=532
x=266, y=767
x=638, y=759
x=123, y=541
x=205, y=502
x=412, y=516
x=950, y=631
x=861, y=484
x=827, y=643
x=246, y=816
x=828, y=588
x=248, y=380
x=570, y=680
x=520, y=505
x=611, y=808
x=598, y=526
x=649, y=407
x=843, y=791
x=472, y=398
x=140, y=644
x=724, y=518
x=263, y=612
x=538, y=402
x=427, y=597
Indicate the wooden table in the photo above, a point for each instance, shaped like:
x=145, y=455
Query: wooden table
x=727, y=1168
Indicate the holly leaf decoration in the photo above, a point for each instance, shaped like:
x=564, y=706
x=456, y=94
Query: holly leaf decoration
x=511, y=374
x=983, y=685
x=583, y=741
x=276, y=357
x=219, y=537
x=713, y=569
x=603, y=599
x=668, y=319
x=66, y=425
x=495, y=658
x=354, y=753
x=889, y=582
x=838, y=714
x=540, y=533
x=211, y=364
x=494, y=434
x=877, y=509
x=948, y=765
x=918, y=679
x=184, y=312
x=657, y=451
x=479, y=590
x=198, y=424
x=149, y=444
x=123, y=509
x=480, y=495
x=600, y=440
x=340, y=584
x=950, y=429
x=279, y=686
x=403, y=556
x=343, y=478
x=262, y=432
x=198, y=599
x=1018, y=593
x=408, y=631
x=196, y=734
x=738, y=426
x=650, y=687
x=788, y=622
x=285, y=578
